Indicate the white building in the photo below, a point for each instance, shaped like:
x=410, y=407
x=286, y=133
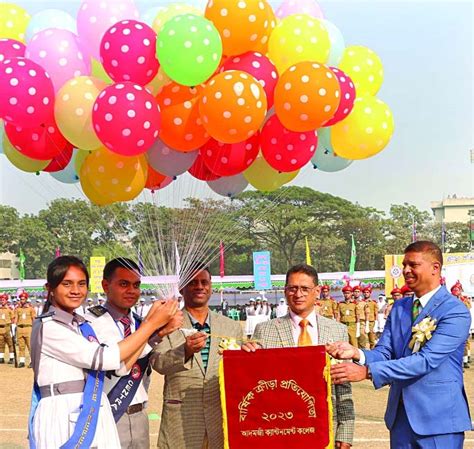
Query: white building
x=453, y=209
x=9, y=266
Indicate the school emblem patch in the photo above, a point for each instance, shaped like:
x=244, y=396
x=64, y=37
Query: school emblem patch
x=136, y=371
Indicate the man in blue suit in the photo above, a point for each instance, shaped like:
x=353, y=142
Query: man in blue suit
x=427, y=405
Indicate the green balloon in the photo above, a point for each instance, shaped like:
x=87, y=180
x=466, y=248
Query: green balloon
x=189, y=49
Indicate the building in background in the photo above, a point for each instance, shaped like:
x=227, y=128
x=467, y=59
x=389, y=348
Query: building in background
x=453, y=209
x=9, y=266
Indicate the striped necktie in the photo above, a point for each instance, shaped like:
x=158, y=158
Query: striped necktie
x=304, y=339
x=416, y=309
x=126, y=321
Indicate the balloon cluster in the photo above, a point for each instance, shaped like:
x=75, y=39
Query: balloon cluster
x=235, y=94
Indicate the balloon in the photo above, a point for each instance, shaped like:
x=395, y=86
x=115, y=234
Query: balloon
x=42, y=142
x=158, y=82
x=169, y=162
x=107, y=177
x=1, y=136
x=364, y=67
x=199, y=170
x=365, y=132
x=260, y=67
x=13, y=21
x=79, y=157
x=126, y=118
x=233, y=106
x=96, y=17
x=127, y=52
x=181, y=124
x=73, y=111
x=189, y=49
x=150, y=15
x=264, y=178
x=58, y=52
x=98, y=71
x=243, y=25
x=337, y=43
x=348, y=95
x=325, y=159
x=69, y=174
x=19, y=161
x=286, y=150
x=10, y=48
x=289, y=7
x=306, y=96
x=173, y=10
x=229, y=186
x=228, y=159
x=156, y=180
x=298, y=38
x=26, y=92
x=50, y=18
x=60, y=161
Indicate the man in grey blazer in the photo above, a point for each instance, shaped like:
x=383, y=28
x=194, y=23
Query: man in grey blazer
x=192, y=415
x=302, y=326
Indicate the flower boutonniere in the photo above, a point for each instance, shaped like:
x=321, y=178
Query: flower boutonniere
x=421, y=333
x=228, y=344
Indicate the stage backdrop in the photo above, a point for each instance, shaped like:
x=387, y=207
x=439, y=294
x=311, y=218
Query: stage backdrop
x=277, y=398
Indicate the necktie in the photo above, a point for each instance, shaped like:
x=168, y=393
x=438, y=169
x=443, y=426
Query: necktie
x=126, y=321
x=204, y=351
x=304, y=339
x=416, y=309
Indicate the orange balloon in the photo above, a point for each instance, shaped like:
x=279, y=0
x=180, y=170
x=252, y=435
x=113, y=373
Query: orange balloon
x=154, y=179
x=244, y=25
x=181, y=124
x=307, y=95
x=233, y=106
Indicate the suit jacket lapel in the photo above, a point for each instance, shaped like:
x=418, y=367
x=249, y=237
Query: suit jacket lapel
x=284, y=331
x=197, y=356
x=216, y=329
x=405, y=324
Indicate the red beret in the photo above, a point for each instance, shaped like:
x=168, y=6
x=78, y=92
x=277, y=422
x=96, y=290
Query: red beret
x=395, y=290
x=367, y=289
x=23, y=295
x=357, y=287
x=405, y=289
x=347, y=288
x=325, y=288
x=457, y=285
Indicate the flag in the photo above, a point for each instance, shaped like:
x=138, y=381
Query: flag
x=413, y=232
x=22, y=259
x=308, y=253
x=221, y=264
x=353, y=257
x=141, y=268
x=57, y=253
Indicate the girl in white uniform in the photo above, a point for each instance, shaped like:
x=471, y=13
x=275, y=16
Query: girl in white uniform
x=62, y=357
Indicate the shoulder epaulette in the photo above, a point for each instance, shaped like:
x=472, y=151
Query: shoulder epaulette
x=45, y=315
x=97, y=310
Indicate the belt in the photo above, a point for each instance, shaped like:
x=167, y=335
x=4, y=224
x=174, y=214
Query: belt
x=72, y=386
x=23, y=325
x=3, y=325
x=135, y=408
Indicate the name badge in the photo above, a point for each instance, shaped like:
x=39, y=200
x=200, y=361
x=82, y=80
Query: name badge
x=23, y=316
x=3, y=316
x=348, y=312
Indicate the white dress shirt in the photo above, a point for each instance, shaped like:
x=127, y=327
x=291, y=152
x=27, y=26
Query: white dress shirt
x=312, y=327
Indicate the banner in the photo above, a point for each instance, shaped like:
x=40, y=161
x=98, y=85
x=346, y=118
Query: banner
x=276, y=398
x=262, y=270
x=97, y=268
x=393, y=273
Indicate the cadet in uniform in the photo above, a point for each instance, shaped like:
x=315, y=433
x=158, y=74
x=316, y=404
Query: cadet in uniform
x=361, y=306
x=371, y=313
x=7, y=316
x=24, y=317
x=327, y=309
x=457, y=290
x=348, y=314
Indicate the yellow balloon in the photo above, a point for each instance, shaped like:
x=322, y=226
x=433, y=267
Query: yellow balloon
x=73, y=111
x=364, y=67
x=298, y=38
x=158, y=82
x=98, y=71
x=365, y=131
x=13, y=21
x=19, y=160
x=171, y=11
x=265, y=178
x=108, y=177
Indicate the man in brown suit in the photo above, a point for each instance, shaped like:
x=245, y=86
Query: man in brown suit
x=6, y=318
x=192, y=415
x=24, y=317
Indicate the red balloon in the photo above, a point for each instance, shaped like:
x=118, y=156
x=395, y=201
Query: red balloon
x=61, y=160
x=229, y=159
x=200, y=171
x=348, y=96
x=156, y=180
x=128, y=52
x=286, y=150
x=41, y=142
x=26, y=93
x=126, y=118
x=10, y=48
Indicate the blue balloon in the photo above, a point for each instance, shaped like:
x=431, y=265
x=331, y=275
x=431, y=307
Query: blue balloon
x=50, y=18
x=337, y=44
x=68, y=174
x=325, y=159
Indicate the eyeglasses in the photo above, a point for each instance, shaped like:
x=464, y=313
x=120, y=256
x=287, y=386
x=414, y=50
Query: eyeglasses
x=293, y=289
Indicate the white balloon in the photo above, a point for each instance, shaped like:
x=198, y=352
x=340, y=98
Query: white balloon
x=229, y=185
x=170, y=162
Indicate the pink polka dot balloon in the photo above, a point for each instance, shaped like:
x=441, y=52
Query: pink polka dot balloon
x=348, y=96
x=59, y=53
x=126, y=118
x=228, y=159
x=41, y=142
x=257, y=65
x=10, y=48
x=289, y=7
x=285, y=150
x=128, y=52
x=26, y=93
x=200, y=170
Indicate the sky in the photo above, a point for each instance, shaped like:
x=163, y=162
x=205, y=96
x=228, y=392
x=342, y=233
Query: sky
x=427, y=49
